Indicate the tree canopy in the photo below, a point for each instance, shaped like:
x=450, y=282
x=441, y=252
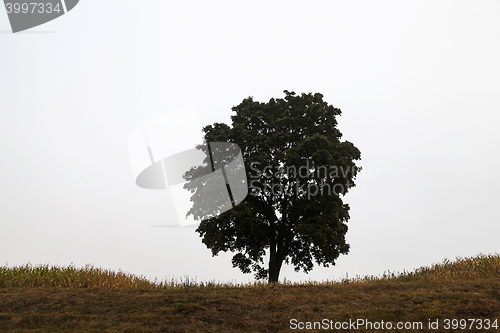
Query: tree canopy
x=297, y=171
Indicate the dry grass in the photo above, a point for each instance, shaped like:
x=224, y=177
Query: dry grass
x=29, y=276
x=47, y=299
x=468, y=268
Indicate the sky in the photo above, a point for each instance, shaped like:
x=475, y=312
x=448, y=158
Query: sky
x=417, y=81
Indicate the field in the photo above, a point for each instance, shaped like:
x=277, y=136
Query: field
x=88, y=299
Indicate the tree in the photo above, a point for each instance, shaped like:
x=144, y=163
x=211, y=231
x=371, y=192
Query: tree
x=297, y=170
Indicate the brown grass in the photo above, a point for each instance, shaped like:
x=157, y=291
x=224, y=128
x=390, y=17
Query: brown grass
x=48, y=299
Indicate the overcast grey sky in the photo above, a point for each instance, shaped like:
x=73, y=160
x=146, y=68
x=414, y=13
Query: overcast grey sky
x=418, y=83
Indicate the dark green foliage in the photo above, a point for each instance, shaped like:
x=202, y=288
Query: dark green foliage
x=285, y=212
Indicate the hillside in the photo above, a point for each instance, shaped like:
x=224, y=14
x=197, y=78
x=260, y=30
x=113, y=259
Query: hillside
x=48, y=299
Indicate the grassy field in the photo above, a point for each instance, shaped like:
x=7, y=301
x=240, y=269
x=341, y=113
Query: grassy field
x=69, y=299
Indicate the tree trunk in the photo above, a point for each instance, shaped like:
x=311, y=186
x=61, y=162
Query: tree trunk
x=274, y=265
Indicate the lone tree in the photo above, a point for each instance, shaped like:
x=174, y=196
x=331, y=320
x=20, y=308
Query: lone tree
x=297, y=170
